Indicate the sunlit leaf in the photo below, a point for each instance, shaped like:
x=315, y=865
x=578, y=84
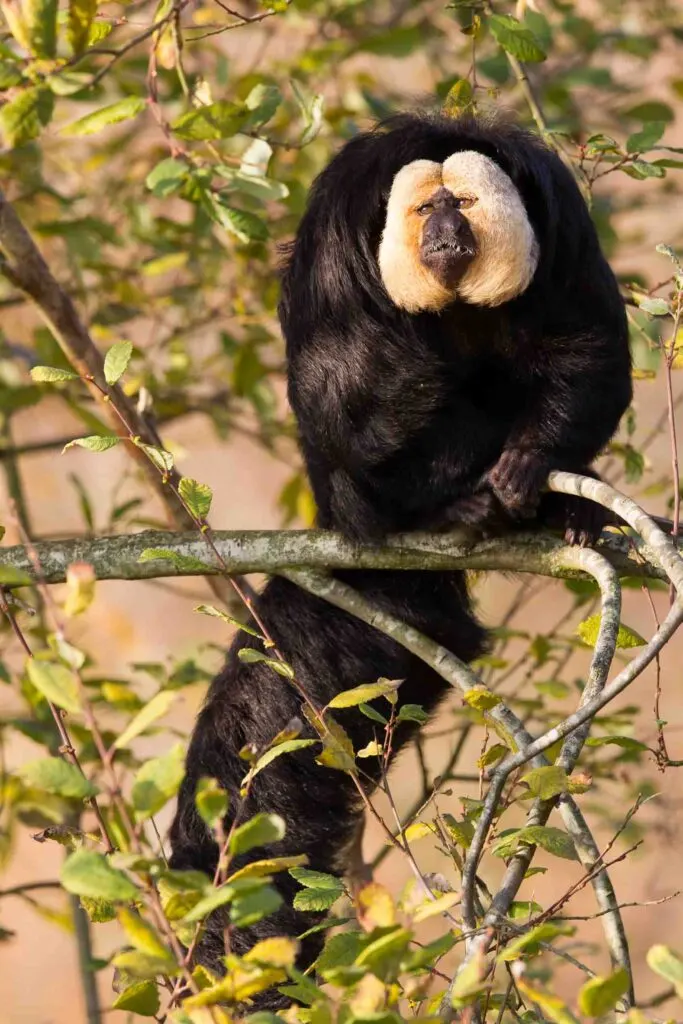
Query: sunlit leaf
x=56, y=683
x=157, y=781
x=51, y=374
x=123, y=110
x=515, y=38
x=261, y=830
x=600, y=995
x=81, y=15
x=154, y=709
x=87, y=873
x=55, y=775
x=141, y=998
x=196, y=496
x=362, y=694
x=116, y=361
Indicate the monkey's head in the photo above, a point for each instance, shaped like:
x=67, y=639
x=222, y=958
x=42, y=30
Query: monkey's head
x=456, y=230
x=426, y=211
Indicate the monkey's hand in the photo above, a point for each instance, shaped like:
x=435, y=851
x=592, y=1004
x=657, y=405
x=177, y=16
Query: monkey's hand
x=580, y=520
x=517, y=480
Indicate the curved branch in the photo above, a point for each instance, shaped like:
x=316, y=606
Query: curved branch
x=458, y=674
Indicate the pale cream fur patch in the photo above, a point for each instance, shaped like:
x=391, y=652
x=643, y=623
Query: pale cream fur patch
x=507, y=254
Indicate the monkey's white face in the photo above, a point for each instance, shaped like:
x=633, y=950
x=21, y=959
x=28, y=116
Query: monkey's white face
x=457, y=230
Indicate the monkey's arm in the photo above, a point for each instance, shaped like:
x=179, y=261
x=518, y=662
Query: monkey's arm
x=403, y=448
x=582, y=389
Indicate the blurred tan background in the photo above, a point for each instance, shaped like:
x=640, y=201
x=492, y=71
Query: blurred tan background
x=144, y=622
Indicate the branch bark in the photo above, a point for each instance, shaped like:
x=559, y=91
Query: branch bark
x=250, y=551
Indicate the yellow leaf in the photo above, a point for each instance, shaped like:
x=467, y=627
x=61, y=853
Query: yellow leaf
x=375, y=907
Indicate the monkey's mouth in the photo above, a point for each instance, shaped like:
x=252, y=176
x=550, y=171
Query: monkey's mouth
x=449, y=248
x=448, y=259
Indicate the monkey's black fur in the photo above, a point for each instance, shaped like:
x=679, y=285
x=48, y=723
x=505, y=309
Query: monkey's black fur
x=406, y=422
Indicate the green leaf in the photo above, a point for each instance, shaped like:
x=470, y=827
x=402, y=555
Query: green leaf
x=87, y=873
x=625, y=742
x=247, y=910
x=270, y=866
x=316, y=899
x=251, y=656
x=461, y=832
x=270, y=755
x=316, y=879
x=668, y=965
x=214, y=898
x=515, y=38
x=261, y=830
x=116, y=361
x=468, y=982
x=245, y=227
x=157, y=781
x=41, y=19
x=10, y=576
x=123, y=110
x=655, y=307
x=262, y=102
x=94, y=442
x=600, y=995
x=493, y=754
x=196, y=496
x=459, y=98
x=265, y=189
x=141, y=934
x=412, y=713
x=311, y=107
x=159, y=457
x=641, y=169
x=211, y=801
x=81, y=15
x=51, y=374
x=481, y=698
x=337, y=749
x=340, y=950
x=651, y=110
x=395, y=42
x=528, y=943
x=24, y=116
x=626, y=637
x=362, y=694
x=547, y=782
x=142, y=998
x=167, y=177
x=646, y=138
x=56, y=683
x=144, y=965
x=217, y=613
x=154, y=709
x=219, y=120
x=98, y=911
x=552, y=840
x=57, y=776
x=374, y=715
x=384, y=955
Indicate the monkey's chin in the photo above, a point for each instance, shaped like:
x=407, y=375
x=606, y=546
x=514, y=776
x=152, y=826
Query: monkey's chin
x=449, y=263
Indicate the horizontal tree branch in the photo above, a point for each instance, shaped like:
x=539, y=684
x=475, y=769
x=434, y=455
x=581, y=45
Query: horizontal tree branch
x=269, y=551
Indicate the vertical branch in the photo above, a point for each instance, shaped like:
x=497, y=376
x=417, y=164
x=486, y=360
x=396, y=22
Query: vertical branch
x=85, y=961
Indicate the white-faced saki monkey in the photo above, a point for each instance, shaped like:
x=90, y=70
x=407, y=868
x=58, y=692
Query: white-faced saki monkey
x=453, y=333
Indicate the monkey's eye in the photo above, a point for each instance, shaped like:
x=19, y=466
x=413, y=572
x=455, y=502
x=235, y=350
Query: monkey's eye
x=425, y=209
x=465, y=202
